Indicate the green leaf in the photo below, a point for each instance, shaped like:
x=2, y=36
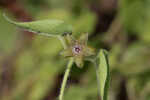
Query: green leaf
x=103, y=74
x=45, y=27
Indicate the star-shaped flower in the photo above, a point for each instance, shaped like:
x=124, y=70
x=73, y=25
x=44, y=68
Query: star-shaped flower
x=78, y=49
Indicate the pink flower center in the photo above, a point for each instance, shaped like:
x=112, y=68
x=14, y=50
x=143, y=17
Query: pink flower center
x=76, y=49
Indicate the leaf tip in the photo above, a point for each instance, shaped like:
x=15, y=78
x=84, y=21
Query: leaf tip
x=7, y=19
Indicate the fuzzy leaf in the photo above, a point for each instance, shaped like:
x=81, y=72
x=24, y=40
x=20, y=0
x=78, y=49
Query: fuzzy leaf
x=46, y=27
x=103, y=73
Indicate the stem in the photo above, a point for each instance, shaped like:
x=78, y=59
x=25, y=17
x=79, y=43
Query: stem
x=63, y=85
x=62, y=41
x=97, y=76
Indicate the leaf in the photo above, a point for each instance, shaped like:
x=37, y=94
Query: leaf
x=102, y=74
x=50, y=27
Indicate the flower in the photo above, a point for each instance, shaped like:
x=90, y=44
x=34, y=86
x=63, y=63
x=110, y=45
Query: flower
x=78, y=49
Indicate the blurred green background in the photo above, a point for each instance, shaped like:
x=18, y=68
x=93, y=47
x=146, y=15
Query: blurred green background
x=31, y=67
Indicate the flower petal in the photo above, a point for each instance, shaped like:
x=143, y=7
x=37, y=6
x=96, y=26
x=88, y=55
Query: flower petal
x=79, y=61
x=66, y=53
x=84, y=38
x=69, y=39
x=89, y=51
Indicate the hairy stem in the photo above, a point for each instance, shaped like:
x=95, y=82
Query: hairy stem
x=63, y=85
x=97, y=76
x=62, y=41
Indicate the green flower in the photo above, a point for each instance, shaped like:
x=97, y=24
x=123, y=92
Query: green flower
x=78, y=49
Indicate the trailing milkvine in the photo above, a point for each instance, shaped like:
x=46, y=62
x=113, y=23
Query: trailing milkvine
x=75, y=50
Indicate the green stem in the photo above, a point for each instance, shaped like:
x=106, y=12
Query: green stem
x=62, y=41
x=63, y=85
x=97, y=77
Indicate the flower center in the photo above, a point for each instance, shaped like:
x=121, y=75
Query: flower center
x=76, y=49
